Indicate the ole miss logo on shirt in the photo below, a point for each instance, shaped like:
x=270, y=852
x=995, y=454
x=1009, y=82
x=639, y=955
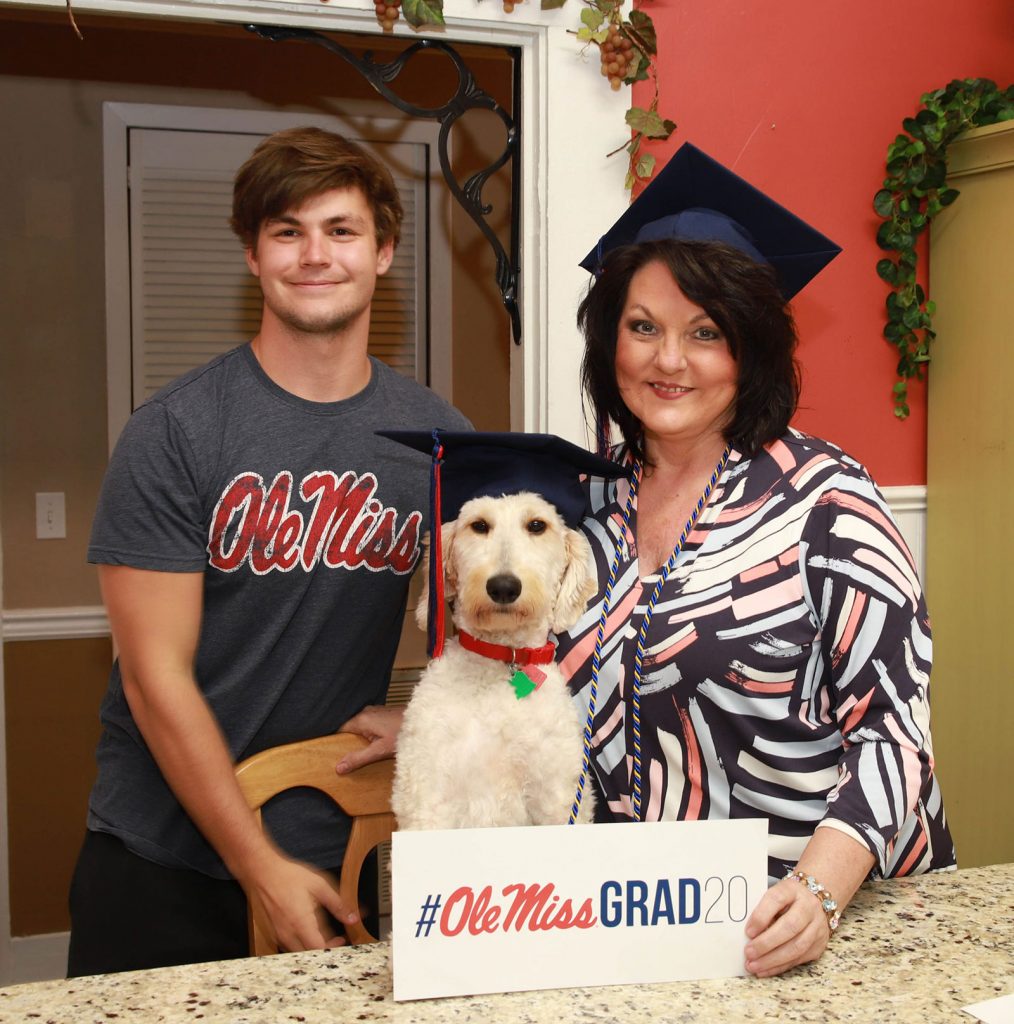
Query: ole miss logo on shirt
x=347, y=526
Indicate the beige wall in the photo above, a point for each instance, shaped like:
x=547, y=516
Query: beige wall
x=52, y=725
x=970, y=489
x=52, y=345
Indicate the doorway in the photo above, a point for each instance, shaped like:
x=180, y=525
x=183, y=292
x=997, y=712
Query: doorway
x=55, y=419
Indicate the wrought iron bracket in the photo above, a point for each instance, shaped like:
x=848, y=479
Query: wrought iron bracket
x=467, y=96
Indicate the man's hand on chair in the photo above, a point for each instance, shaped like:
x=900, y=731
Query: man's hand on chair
x=298, y=899
x=379, y=725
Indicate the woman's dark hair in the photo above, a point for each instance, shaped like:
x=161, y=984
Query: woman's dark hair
x=740, y=295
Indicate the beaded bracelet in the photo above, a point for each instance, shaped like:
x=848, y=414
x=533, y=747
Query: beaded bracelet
x=827, y=902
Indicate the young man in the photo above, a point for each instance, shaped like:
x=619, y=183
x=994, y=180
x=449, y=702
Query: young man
x=255, y=540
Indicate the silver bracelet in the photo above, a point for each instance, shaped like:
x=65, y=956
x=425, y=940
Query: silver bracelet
x=827, y=901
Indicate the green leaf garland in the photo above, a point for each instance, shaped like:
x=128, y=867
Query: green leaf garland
x=914, y=192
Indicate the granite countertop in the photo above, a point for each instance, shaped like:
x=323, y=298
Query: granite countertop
x=915, y=949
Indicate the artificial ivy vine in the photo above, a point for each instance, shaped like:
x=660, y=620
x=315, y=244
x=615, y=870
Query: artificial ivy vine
x=914, y=192
x=627, y=52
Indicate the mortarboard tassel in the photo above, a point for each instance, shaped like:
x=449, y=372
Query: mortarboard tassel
x=435, y=609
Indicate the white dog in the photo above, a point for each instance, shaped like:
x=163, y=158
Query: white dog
x=476, y=750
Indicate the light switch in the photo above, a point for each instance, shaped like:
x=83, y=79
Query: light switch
x=50, y=515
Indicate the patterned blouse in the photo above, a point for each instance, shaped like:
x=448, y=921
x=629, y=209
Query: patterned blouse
x=787, y=664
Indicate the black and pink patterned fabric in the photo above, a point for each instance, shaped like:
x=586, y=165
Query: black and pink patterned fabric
x=787, y=663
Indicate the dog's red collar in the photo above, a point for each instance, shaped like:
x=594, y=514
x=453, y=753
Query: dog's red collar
x=512, y=655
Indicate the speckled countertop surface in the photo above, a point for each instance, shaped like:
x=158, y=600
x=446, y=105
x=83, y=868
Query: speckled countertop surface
x=908, y=950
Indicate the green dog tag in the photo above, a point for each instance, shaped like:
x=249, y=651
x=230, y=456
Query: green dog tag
x=522, y=684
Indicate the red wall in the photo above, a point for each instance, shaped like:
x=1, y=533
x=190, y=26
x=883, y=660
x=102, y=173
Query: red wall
x=802, y=98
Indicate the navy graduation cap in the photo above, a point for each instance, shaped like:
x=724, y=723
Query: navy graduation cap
x=695, y=198
x=475, y=464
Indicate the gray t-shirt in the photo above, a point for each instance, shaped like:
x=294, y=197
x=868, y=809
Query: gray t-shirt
x=306, y=526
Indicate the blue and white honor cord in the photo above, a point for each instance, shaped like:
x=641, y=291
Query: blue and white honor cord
x=635, y=687
x=593, y=686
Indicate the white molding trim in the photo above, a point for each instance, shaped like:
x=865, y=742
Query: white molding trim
x=38, y=958
x=908, y=503
x=906, y=498
x=54, y=623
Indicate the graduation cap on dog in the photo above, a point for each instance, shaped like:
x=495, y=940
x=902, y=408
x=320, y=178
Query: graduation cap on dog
x=697, y=199
x=475, y=464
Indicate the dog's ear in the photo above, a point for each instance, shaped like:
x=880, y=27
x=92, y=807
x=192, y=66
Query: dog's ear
x=578, y=584
x=447, y=533
x=422, y=605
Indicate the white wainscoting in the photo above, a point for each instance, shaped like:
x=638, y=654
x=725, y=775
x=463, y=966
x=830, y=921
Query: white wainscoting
x=909, y=507
x=55, y=623
x=38, y=958
x=907, y=503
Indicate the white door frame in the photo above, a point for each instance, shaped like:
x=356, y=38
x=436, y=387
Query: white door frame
x=570, y=192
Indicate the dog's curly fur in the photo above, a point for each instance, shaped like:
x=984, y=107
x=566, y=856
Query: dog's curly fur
x=470, y=753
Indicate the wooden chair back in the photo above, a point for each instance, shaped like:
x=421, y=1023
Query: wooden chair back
x=365, y=795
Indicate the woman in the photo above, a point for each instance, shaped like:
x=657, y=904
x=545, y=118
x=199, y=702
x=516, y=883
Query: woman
x=760, y=646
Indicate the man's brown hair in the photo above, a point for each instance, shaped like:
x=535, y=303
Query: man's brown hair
x=297, y=164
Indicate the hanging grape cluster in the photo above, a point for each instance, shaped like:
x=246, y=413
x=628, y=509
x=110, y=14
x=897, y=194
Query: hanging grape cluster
x=627, y=51
x=387, y=13
x=617, y=55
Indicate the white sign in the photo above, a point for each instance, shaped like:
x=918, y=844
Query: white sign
x=993, y=1011
x=513, y=909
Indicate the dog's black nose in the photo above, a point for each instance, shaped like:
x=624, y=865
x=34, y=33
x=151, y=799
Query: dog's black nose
x=504, y=588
